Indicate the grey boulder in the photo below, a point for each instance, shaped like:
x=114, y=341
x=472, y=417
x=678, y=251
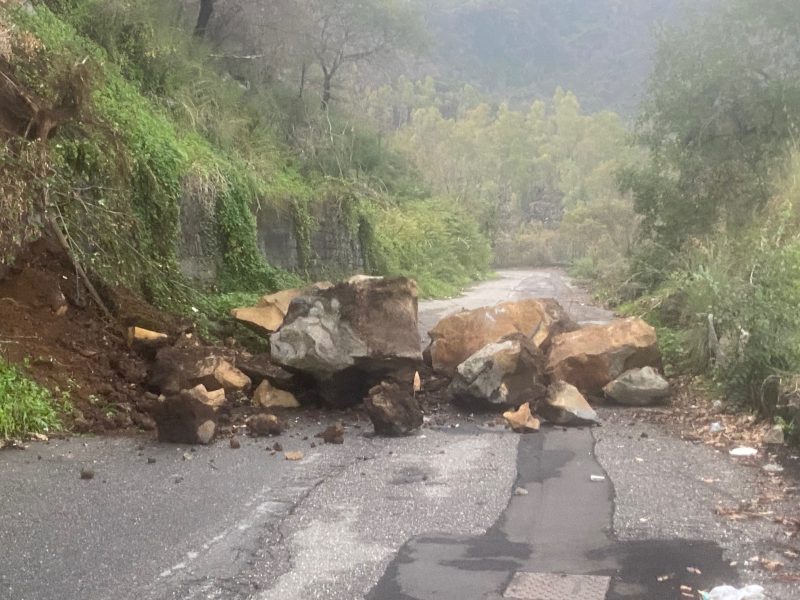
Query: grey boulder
x=638, y=387
x=505, y=373
x=352, y=336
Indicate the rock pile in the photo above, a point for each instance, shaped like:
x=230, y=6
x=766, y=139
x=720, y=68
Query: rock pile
x=357, y=342
x=530, y=354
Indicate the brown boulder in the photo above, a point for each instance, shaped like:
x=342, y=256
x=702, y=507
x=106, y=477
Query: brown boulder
x=565, y=405
x=596, y=355
x=457, y=337
x=393, y=410
x=189, y=417
x=268, y=314
x=351, y=336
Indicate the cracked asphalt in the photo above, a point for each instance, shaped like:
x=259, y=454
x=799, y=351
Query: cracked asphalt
x=429, y=516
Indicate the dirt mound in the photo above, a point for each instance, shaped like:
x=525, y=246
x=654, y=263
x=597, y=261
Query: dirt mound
x=48, y=323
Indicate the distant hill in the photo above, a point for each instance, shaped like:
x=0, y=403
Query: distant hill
x=524, y=49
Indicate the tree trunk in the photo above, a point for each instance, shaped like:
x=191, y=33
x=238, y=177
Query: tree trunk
x=302, y=81
x=206, y=8
x=326, y=90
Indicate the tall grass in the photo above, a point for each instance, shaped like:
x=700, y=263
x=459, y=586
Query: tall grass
x=25, y=407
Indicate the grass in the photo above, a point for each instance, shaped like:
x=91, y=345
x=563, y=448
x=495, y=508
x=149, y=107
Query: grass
x=26, y=408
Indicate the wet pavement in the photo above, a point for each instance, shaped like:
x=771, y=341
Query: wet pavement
x=431, y=516
x=561, y=526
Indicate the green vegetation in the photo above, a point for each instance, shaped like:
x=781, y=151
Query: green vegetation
x=25, y=407
x=170, y=131
x=718, y=260
x=161, y=134
x=542, y=183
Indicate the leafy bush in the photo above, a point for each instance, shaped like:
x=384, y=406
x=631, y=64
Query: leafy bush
x=432, y=241
x=25, y=407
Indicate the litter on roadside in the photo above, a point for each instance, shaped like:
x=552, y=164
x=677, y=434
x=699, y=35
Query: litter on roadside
x=743, y=451
x=597, y=478
x=727, y=592
x=772, y=468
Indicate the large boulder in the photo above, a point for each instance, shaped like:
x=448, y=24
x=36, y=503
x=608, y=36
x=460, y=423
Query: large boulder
x=596, y=355
x=638, y=387
x=457, y=337
x=177, y=369
x=351, y=336
x=506, y=373
x=565, y=405
x=268, y=314
x=393, y=409
x=189, y=417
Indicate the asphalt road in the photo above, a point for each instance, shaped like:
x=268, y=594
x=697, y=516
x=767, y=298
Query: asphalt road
x=438, y=515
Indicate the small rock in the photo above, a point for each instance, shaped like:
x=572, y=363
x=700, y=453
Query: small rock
x=235, y=443
x=520, y=492
x=267, y=396
x=230, y=378
x=521, y=420
x=716, y=427
x=151, y=461
x=262, y=425
x=294, y=456
x=87, y=473
x=333, y=434
x=772, y=468
x=277, y=447
x=774, y=436
x=565, y=405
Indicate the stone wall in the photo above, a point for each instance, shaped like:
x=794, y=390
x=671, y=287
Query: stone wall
x=335, y=250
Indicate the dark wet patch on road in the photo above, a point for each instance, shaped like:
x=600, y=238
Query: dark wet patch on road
x=562, y=525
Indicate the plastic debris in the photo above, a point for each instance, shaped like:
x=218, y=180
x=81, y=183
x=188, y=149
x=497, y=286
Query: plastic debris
x=743, y=451
x=597, y=478
x=727, y=592
x=772, y=468
x=716, y=427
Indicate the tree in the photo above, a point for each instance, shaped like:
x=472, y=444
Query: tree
x=352, y=31
x=721, y=108
x=206, y=10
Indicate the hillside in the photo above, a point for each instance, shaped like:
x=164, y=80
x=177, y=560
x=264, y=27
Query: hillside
x=599, y=49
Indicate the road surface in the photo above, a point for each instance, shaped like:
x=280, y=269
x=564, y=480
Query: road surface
x=461, y=511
